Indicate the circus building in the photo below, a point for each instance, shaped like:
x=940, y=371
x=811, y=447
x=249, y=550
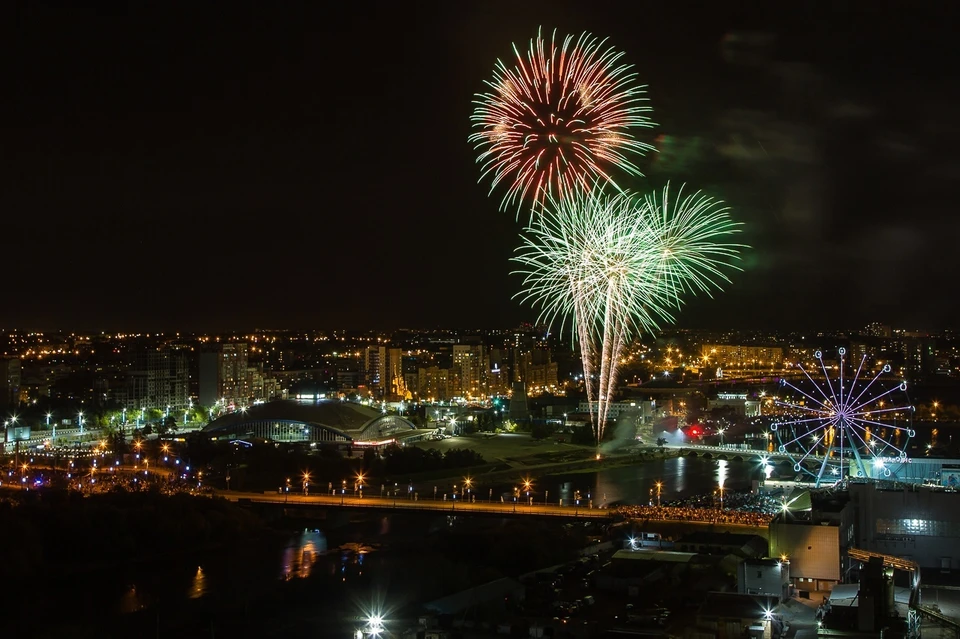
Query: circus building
x=315, y=423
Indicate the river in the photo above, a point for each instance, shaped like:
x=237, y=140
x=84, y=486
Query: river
x=680, y=477
x=321, y=574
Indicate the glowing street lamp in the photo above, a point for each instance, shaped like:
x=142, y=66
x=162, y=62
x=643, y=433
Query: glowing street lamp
x=80, y=421
x=360, y=479
x=375, y=624
x=659, y=486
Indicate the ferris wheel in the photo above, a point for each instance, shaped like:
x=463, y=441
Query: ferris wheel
x=844, y=425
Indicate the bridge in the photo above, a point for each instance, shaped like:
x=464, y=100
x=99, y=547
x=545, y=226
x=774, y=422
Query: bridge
x=402, y=503
x=731, y=453
x=581, y=511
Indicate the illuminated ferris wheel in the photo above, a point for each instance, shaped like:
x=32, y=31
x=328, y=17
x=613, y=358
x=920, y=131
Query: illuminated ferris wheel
x=844, y=426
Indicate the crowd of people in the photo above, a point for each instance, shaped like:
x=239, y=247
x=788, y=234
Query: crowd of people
x=738, y=508
x=112, y=482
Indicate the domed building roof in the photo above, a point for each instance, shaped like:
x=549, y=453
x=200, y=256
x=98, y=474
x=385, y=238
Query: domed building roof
x=293, y=421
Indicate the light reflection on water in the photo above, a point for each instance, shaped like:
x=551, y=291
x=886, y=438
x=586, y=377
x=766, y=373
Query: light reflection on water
x=198, y=587
x=131, y=600
x=681, y=477
x=301, y=554
x=307, y=554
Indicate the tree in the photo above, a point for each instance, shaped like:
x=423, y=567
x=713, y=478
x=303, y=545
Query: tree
x=661, y=442
x=118, y=442
x=541, y=430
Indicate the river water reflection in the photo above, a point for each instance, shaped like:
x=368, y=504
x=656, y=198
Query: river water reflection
x=680, y=477
x=329, y=568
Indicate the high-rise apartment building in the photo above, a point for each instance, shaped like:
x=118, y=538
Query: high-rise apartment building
x=225, y=375
x=411, y=378
x=878, y=329
x=469, y=376
x=159, y=379
x=234, y=379
x=372, y=370
x=537, y=371
x=383, y=372
x=434, y=384
x=497, y=372
x=9, y=382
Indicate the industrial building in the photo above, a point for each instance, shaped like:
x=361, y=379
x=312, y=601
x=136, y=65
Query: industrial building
x=917, y=523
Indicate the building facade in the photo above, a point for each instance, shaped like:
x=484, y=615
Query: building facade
x=770, y=577
x=159, y=379
x=383, y=373
x=225, y=375
x=10, y=374
x=813, y=549
x=742, y=356
x=918, y=523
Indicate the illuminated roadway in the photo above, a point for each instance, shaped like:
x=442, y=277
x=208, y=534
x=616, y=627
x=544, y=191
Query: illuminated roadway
x=402, y=503
x=508, y=509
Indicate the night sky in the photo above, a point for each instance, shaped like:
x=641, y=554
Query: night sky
x=279, y=165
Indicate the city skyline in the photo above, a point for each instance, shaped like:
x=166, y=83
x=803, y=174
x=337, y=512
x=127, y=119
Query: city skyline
x=244, y=169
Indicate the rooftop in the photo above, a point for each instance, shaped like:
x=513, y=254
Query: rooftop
x=718, y=538
x=343, y=416
x=730, y=605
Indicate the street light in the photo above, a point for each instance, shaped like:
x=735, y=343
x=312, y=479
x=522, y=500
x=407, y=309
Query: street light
x=306, y=482
x=659, y=486
x=80, y=420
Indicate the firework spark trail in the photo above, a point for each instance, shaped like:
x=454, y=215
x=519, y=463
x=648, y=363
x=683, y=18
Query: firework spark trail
x=616, y=266
x=560, y=118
